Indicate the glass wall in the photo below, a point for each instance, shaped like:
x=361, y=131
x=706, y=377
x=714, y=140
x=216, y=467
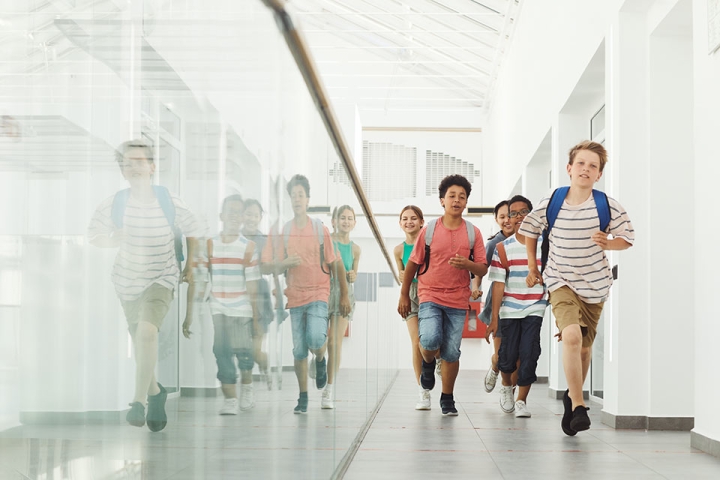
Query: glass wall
x=92, y=322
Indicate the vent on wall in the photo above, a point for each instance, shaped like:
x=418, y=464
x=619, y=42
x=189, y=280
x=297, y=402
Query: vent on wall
x=440, y=165
x=389, y=171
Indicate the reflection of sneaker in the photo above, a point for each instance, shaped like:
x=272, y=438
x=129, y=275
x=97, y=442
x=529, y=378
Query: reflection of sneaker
x=567, y=415
x=424, y=402
x=156, y=416
x=320, y=373
x=268, y=379
x=448, y=407
x=229, y=407
x=311, y=367
x=136, y=415
x=490, y=380
x=302, y=404
x=427, y=377
x=327, y=401
x=247, y=398
x=507, y=400
x=438, y=369
x=521, y=410
x=580, y=420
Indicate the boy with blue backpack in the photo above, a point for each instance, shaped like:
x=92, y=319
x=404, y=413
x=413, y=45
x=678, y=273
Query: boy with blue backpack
x=146, y=223
x=578, y=224
x=444, y=285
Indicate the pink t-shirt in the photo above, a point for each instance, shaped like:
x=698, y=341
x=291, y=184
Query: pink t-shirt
x=306, y=283
x=442, y=283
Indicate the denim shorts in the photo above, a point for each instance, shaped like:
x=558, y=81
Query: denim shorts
x=233, y=338
x=309, y=327
x=441, y=327
x=520, y=341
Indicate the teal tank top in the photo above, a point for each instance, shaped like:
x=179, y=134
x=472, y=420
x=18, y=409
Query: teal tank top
x=407, y=251
x=346, y=253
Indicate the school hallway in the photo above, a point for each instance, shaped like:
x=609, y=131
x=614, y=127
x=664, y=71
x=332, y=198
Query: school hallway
x=483, y=442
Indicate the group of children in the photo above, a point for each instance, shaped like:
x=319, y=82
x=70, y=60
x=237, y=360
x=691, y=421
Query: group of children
x=553, y=253
x=441, y=264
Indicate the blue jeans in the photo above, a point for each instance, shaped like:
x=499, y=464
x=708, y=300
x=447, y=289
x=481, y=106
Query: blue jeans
x=441, y=327
x=233, y=338
x=309, y=328
x=521, y=340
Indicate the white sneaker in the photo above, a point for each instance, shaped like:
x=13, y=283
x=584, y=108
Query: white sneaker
x=507, y=399
x=312, y=371
x=230, y=407
x=328, y=401
x=247, y=398
x=521, y=410
x=424, y=402
x=490, y=380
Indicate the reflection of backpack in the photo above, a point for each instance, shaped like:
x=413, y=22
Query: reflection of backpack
x=556, y=201
x=428, y=240
x=319, y=232
x=166, y=204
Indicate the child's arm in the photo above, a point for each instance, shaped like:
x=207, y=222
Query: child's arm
x=462, y=263
x=617, y=243
x=534, y=277
x=352, y=274
x=476, y=292
x=398, y=261
x=341, y=277
x=404, y=303
x=112, y=240
x=187, y=274
x=498, y=290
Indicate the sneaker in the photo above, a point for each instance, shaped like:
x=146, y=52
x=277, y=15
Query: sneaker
x=448, y=407
x=229, y=407
x=268, y=379
x=247, y=398
x=327, y=401
x=320, y=374
x=580, y=420
x=156, y=416
x=567, y=415
x=136, y=415
x=438, y=369
x=507, y=399
x=490, y=380
x=427, y=377
x=521, y=410
x=302, y=404
x=312, y=368
x=424, y=402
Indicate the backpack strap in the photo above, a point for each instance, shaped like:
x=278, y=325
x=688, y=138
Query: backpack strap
x=603, y=209
x=320, y=232
x=551, y=212
x=117, y=212
x=471, y=241
x=287, y=228
x=430, y=230
x=500, y=248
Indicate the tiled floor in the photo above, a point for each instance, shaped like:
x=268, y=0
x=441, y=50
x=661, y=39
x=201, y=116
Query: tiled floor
x=483, y=442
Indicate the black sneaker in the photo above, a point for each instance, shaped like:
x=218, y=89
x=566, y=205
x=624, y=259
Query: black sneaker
x=567, y=415
x=320, y=373
x=302, y=404
x=448, y=407
x=580, y=420
x=136, y=415
x=427, y=377
x=156, y=416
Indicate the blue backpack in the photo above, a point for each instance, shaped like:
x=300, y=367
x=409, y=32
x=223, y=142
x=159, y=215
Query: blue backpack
x=166, y=204
x=556, y=201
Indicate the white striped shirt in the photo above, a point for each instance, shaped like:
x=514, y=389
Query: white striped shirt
x=147, y=255
x=574, y=259
x=233, y=265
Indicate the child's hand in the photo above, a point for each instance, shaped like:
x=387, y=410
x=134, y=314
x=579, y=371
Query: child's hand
x=601, y=240
x=459, y=262
x=351, y=276
x=491, y=330
x=533, y=278
x=187, y=274
x=476, y=293
x=186, y=327
x=292, y=261
x=404, y=305
x=345, y=307
x=559, y=336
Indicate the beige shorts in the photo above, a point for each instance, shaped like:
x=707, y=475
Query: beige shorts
x=152, y=306
x=414, y=302
x=570, y=310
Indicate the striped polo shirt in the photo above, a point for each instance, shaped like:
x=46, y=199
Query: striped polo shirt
x=233, y=265
x=147, y=255
x=575, y=260
x=518, y=301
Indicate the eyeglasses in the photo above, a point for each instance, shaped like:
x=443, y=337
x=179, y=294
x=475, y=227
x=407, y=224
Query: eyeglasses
x=522, y=212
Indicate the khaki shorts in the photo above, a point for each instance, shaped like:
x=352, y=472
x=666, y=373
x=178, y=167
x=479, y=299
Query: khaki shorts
x=152, y=306
x=570, y=310
x=414, y=302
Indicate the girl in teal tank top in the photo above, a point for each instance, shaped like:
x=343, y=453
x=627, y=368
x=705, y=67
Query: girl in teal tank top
x=343, y=221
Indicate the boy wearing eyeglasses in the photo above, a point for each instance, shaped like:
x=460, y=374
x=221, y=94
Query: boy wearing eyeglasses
x=519, y=315
x=577, y=272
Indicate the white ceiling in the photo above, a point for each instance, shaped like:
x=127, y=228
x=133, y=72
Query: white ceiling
x=408, y=54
